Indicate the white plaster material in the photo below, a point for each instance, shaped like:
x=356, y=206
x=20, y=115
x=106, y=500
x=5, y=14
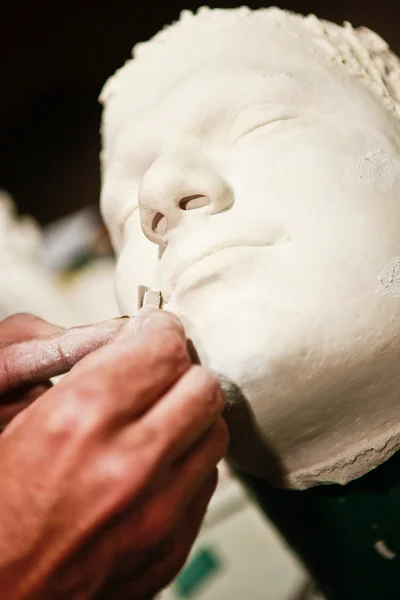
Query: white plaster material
x=377, y=169
x=251, y=173
x=389, y=279
x=148, y=297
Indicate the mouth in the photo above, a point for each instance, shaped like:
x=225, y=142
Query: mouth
x=181, y=256
x=176, y=277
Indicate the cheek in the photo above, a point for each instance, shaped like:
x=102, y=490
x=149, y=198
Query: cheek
x=304, y=182
x=294, y=180
x=338, y=226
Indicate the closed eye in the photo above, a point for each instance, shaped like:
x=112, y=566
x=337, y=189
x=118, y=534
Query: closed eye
x=261, y=126
x=252, y=120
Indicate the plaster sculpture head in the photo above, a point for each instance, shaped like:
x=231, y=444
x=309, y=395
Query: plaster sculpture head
x=251, y=171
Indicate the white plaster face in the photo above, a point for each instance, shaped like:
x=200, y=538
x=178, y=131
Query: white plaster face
x=268, y=186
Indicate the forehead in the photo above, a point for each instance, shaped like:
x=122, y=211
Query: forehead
x=250, y=46
x=230, y=48
x=208, y=91
x=203, y=77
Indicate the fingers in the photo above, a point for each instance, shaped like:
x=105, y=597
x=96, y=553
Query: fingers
x=177, y=549
x=24, y=326
x=191, y=471
x=171, y=556
x=179, y=419
x=165, y=502
x=168, y=503
x=45, y=357
x=133, y=371
x=185, y=479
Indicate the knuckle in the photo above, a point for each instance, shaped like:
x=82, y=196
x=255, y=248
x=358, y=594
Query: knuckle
x=62, y=420
x=207, y=385
x=169, y=346
x=113, y=470
x=70, y=418
x=173, y=345
x=92, y=386
x=206, y=379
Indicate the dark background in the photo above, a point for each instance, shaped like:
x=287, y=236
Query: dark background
x=55, y=57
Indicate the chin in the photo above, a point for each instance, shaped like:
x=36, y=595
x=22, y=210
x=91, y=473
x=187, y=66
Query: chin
x=302, y=386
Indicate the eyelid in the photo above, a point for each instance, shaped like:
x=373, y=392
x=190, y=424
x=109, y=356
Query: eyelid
x=256, y=117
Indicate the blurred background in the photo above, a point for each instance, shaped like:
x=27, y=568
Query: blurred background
x=55, y=57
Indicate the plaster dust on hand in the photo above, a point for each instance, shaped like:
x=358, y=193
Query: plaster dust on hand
x=377, y=168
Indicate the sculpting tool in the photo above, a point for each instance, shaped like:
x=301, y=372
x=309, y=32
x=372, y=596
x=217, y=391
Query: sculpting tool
x=149, y=297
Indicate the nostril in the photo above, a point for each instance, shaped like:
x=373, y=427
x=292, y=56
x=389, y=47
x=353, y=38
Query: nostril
x=159, y=224
x=193, y=202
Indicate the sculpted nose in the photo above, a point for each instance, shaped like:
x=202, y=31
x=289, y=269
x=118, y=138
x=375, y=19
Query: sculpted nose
x=171, y=187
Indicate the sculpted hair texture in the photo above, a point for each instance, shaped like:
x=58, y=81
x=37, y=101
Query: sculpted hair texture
x=360, y=51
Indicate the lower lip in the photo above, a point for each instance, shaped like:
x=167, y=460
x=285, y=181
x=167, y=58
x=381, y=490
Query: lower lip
x=209, y=257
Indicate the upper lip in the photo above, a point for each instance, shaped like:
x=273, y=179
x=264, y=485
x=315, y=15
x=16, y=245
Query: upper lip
x=177, y=273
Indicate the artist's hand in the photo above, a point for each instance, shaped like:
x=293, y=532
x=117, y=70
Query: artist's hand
x=106, y=477
x=32, y=351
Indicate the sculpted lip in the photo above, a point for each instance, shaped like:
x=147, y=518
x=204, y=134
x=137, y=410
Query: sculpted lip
x=174, y=267
x=176, y=276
